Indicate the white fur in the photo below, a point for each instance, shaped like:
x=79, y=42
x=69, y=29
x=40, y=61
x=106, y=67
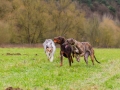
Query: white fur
x=50, y=44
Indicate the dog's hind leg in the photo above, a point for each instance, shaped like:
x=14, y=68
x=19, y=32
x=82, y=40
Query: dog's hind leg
x=92, y=58
x=86, y=57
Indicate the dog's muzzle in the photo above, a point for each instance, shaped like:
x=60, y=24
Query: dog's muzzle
x=49, y=49
x=55, y=41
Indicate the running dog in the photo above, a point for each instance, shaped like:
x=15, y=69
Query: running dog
x=49, y=48
x=65, y=49
x=82, y=49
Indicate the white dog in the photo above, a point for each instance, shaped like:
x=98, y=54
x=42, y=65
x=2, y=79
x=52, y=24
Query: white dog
x=49, y=48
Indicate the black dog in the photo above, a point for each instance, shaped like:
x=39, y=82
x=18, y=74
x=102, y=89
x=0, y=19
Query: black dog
x=65, y=49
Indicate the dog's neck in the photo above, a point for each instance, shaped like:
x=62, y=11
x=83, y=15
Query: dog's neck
x=63, y=41
x=75, y=43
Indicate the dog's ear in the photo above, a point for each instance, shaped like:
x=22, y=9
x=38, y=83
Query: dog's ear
x=72, y=39
x=63, y=39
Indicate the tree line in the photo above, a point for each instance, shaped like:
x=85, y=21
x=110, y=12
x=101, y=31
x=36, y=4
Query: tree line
x=32, y=21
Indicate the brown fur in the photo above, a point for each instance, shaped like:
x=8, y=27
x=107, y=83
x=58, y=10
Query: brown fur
x=65, y=49
x=82, y=49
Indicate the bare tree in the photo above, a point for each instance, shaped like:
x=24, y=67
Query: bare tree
x=30, y=25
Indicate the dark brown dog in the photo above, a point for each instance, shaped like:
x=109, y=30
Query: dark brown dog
x=65, y=49
x=82, y=49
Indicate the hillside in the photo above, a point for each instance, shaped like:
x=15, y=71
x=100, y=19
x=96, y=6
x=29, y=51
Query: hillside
x=101, y=7
x=32, y=21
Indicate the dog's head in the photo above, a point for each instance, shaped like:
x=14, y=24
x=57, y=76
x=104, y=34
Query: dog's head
x=59, y=40
x=71, y=41
x=49, y=50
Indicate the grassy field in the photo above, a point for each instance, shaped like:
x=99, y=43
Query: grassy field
x=29, y=69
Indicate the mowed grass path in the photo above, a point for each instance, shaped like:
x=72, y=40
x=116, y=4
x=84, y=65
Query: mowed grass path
x=32, y=71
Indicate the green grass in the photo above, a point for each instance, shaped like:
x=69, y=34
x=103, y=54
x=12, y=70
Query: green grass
x=34, y=72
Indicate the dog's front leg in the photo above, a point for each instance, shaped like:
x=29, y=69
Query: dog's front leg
x=61, y=58
x=48, y=56
x=51, y=58
x=81, y=51
x=77, y=57
x=81, y=55
x=69, y=58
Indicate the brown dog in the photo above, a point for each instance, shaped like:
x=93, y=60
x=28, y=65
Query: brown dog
x=82, y=49
x=65, y=49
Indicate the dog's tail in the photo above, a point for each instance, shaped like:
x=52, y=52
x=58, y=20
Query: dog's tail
x=96, y=59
